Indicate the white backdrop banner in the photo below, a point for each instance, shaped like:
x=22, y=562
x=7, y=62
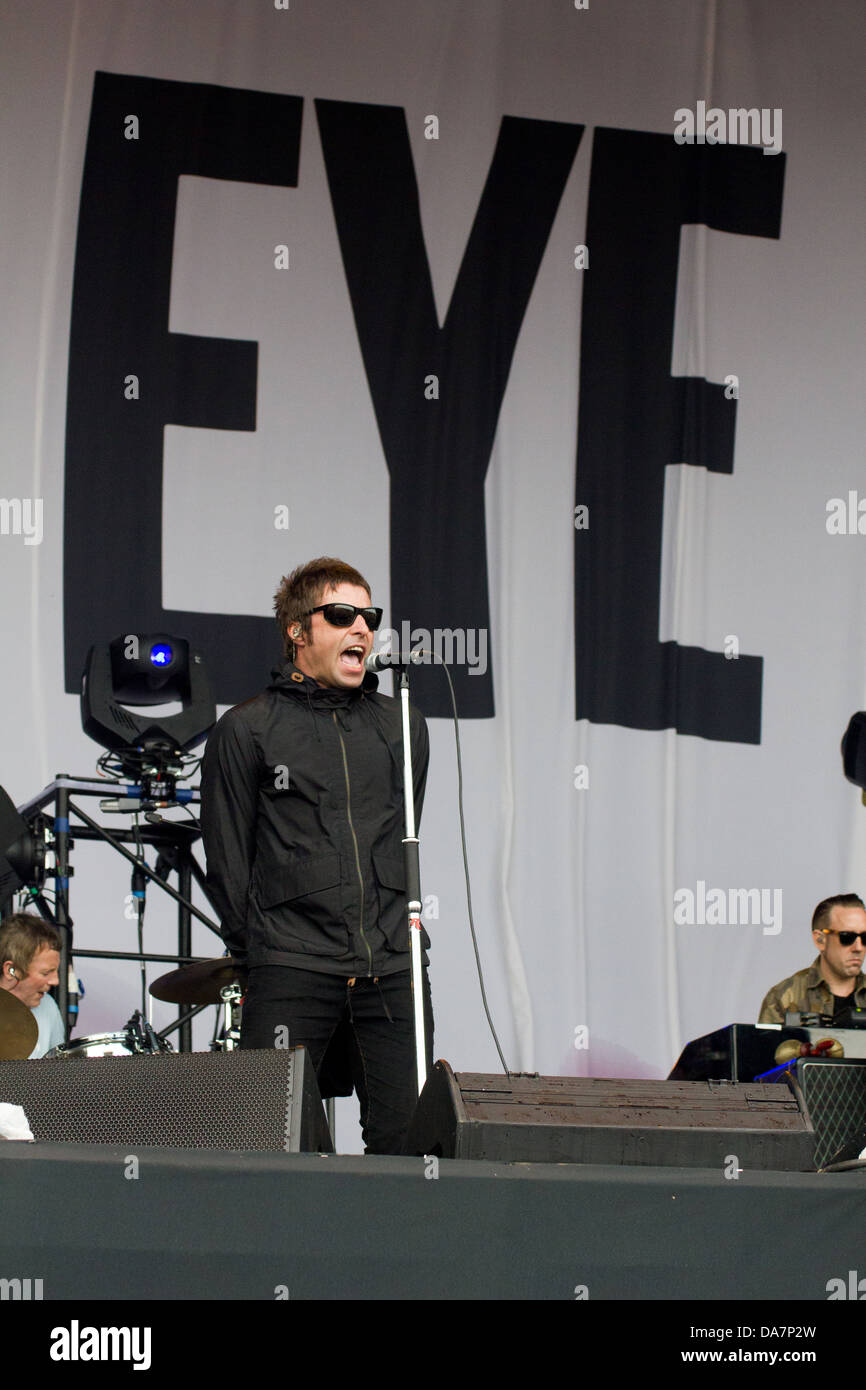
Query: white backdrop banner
x=549, y=318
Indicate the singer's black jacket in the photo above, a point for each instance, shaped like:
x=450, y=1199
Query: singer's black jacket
x=302, y=821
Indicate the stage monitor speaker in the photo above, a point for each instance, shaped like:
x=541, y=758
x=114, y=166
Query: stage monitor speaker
x=567, y=1119
x=244, y=1100
x=832, y=1094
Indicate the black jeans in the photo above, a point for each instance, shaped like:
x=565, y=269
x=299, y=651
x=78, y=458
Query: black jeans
x=284, y=1006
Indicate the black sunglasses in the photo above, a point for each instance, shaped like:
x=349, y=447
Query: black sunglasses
x=846, y=938
x=344, y=614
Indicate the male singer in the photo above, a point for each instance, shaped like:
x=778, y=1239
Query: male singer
x=302, y=819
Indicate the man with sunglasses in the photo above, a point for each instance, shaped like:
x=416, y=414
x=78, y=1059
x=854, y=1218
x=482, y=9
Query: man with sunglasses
x=835, y=980
x=302, y=822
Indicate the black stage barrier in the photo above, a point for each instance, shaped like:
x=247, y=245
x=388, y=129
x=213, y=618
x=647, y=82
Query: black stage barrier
x=211, y=1100
x=573, y=1119
x=91, y=1223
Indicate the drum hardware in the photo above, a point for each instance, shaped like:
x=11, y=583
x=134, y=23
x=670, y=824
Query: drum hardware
x=200, y=983
x=144, y=1038
x=230, y=1035
x=136, y=1039
x=220, y=982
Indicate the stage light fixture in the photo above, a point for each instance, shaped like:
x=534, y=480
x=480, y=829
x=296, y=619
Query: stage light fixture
x=22, y=853
x=142, y=669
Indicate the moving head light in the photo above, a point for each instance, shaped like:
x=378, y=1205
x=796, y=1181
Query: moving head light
x=22, y=852
x=142, y=669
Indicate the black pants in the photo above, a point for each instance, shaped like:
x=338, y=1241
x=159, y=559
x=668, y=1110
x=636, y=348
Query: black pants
x=286, y=1007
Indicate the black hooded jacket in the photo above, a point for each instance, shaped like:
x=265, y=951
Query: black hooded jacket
x=302, y=822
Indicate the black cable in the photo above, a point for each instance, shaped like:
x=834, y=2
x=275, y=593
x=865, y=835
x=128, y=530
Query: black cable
x=120, y=765
x=438, y=661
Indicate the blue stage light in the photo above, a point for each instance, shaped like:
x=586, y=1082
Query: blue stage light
x=161, y=654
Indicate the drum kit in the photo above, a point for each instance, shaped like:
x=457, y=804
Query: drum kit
x=205, y=982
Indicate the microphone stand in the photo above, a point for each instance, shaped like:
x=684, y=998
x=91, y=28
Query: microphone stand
x=413, y=884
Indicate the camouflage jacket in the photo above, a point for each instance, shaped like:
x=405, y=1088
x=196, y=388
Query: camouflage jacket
x=806, y=992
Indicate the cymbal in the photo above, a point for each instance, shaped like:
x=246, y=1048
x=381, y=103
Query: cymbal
x=18, y=1028
x=199, y=983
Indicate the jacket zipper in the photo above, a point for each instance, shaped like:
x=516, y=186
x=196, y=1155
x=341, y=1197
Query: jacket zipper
x=354, y=840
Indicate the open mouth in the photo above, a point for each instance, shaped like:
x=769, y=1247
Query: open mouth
x=352, y=658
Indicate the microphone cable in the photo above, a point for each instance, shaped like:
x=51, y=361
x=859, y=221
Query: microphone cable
x=438, y=661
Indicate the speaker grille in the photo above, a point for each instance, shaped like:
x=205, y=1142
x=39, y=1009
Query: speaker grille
x=835, y=1097
x=235, y=1100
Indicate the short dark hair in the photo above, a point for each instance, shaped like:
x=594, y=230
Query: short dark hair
x=822, y=913
x=22, y=934
x=304, y=588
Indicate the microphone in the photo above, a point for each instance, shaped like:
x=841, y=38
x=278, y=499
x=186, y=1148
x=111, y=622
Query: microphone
x=75, y=990
x=381, y=661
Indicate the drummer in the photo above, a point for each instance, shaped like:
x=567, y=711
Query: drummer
x=29, y=957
